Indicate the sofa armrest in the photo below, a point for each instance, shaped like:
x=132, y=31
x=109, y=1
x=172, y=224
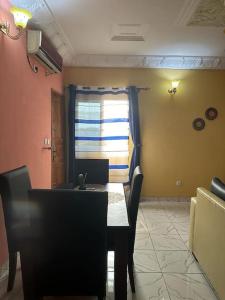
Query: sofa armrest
x=206, y=194
x=208, y=239
x=192, y=221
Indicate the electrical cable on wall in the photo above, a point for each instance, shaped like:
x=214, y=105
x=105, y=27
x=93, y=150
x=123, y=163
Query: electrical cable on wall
x=33, y=67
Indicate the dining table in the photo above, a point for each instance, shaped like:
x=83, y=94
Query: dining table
x=117, y=231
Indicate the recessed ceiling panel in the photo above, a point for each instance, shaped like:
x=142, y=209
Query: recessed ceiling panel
x=209, y=13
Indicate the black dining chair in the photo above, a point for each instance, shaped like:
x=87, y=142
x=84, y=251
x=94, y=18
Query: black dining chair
x=14, y=186
x=132, y=202
x=97, y=170
x=66, y=252
x=132, y=211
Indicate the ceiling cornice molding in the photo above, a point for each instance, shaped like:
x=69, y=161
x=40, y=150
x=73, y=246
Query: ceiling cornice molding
x=150, y=61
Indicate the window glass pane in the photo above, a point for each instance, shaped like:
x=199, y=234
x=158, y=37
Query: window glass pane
x=102, y=131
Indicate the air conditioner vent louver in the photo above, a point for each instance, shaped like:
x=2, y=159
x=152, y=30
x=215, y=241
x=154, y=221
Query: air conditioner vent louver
x=128, y=32
x=128, y=38
x=42, y=49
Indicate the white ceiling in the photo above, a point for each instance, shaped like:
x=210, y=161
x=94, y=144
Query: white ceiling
x=177, y=33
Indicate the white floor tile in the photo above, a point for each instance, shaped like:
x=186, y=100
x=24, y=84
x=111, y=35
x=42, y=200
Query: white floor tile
x=161, y=228
x=110, y=261
x=168, y=242
x=188, y=286
x=179, y=218
x=143, y=241
x=16, y=293
x=141, y=226
x=145, y=261
x=156, y=218
x=177, y=262
x=185, y=238
x=182, y=228
x=149, y=286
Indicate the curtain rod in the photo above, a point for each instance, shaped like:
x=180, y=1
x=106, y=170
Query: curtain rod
x=143, y=88
x=117, y=88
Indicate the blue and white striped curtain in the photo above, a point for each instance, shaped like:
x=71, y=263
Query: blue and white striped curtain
x=102, y=128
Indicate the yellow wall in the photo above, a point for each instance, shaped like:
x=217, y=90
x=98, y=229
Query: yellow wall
x=171, y=149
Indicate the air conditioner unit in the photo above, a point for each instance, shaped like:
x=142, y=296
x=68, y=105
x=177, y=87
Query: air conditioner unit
x=42, y=49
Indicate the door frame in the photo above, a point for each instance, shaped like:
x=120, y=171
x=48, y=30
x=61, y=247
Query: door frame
x=54, y=92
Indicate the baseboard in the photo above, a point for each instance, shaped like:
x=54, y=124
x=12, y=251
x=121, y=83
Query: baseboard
x=164, y=199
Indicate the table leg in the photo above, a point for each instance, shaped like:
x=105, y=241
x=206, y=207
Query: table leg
x=29, y=288
x=120, y=265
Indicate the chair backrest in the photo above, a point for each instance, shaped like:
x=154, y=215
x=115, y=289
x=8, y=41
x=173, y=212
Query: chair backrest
x=14, y=186
x=133, y=204
x=69, y=249
x=97, y=170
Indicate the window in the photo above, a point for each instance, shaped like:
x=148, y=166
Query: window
x=102, y=130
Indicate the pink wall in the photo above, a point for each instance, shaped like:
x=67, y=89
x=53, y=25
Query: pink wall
x=25, y=113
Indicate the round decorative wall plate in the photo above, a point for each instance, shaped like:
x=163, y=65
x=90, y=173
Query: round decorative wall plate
x=198, y=124
x=211, y=113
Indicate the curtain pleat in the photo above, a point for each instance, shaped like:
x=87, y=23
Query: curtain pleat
x=71, y=153
x=134, y=128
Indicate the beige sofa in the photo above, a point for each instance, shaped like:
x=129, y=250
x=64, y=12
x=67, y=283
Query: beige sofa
x=207, y=237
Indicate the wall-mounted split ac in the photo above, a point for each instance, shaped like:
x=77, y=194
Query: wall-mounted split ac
x=42, y=49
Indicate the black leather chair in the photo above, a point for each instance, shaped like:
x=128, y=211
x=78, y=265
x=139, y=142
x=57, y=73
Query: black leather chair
x=97, y=170
x=132, y=211
x=66, y=254
x=14, y=186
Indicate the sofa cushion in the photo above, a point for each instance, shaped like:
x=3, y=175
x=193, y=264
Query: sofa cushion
x=218, y=188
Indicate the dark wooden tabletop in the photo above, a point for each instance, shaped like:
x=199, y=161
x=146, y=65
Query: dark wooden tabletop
x=117, y=210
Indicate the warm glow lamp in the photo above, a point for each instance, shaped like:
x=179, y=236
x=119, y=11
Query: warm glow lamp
x=174, y=86
x=21, y=17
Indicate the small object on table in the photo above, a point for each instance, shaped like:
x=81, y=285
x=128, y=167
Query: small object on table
x=90, y=188
x=81, y=180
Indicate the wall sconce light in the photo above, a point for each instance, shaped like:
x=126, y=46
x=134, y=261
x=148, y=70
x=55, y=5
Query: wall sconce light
x=21, y=17
x=174, y=87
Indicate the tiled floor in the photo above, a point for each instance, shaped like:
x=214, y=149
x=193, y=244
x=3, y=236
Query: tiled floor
x=164, y=267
